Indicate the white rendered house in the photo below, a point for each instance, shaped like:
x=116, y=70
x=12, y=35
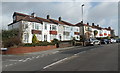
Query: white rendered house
x=44, y=29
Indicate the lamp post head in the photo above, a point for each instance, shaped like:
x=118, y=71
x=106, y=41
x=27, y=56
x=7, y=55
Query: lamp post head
x=83, y=5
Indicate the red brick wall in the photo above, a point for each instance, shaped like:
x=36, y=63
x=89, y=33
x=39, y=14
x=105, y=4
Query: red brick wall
x=21, y=50
x=63, y=45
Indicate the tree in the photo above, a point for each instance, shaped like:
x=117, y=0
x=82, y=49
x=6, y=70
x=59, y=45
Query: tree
x=10, y=38
x=56, y=41
x=95, y=33
x=34, y=39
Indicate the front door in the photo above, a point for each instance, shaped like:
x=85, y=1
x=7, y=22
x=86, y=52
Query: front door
x=60, y=37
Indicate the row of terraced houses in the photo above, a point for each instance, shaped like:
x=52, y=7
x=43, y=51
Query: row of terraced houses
x=47, y=29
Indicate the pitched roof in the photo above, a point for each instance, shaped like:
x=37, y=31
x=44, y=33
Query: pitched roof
x=56, y=21
x=97, y=27
x=31, y=18
x=37, y=19
x=67, y=23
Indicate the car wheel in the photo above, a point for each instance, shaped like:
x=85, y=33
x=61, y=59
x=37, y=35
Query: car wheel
x=105, y=42
x=94, y=44
x=99, y=44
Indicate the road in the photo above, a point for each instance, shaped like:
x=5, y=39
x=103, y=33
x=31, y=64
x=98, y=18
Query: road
x=90, y=58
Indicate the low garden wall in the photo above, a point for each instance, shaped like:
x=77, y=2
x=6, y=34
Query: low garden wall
x=65, y=44
x=21, y=50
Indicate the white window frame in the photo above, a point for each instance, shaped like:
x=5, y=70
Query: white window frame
x=45, y=27
x=26, y=37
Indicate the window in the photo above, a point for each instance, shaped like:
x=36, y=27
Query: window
x=77, y=29
x=25, y=25
x=38, y=36
x=50, y=27
x=53, y=27
x=45, y=26
x=45, y=37
x=37, y=26
x=26, y=37
x=66, y=33
x=52, y=36
x=64, y=27
x=71, y=29
x=32, y=25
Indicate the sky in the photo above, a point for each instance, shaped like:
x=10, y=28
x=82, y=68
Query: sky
x=104, y=14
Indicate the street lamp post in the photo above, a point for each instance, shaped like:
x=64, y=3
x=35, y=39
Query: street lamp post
x=83, y=26
x=82, y=11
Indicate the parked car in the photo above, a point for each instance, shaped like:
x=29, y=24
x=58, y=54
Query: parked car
x=105, y=41
x=113, y=40
x=118, y=40
x=92, y=41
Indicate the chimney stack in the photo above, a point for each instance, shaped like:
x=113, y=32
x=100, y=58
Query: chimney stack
x=109, y=27
x=97, y=25
x=93, y=24
x=48, y=16
x=87, y=23
x=33, y=14
x=59, y=18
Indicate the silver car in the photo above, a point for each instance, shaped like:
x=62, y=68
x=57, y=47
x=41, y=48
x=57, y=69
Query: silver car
x=94, y=41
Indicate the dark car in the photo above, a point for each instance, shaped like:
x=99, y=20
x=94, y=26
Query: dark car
x=105, y=41
x=118, y=40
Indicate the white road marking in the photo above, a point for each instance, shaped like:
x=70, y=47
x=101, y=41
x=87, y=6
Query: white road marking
x=8, y=65
x=20, y=60
x=37, y=56
x=83, y=52
x=76, y=54
x=63, y=59
x=26, y=59
x=16, y=60
x=55, y=63
x=55, y=52
x=80, y=52
x=33, y=57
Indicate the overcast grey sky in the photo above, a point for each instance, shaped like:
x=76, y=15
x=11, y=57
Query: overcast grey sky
x=103, y=13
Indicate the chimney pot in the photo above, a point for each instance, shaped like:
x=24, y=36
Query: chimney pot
x=87, y=23
x=48, y=16
x=59, y=18
x=33, y=14
x=109, y=27
x=97, y=25
x=93, y=24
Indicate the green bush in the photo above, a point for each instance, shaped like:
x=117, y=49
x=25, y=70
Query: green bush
x=95, y=32
x=34, y=39
x=55, y=41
